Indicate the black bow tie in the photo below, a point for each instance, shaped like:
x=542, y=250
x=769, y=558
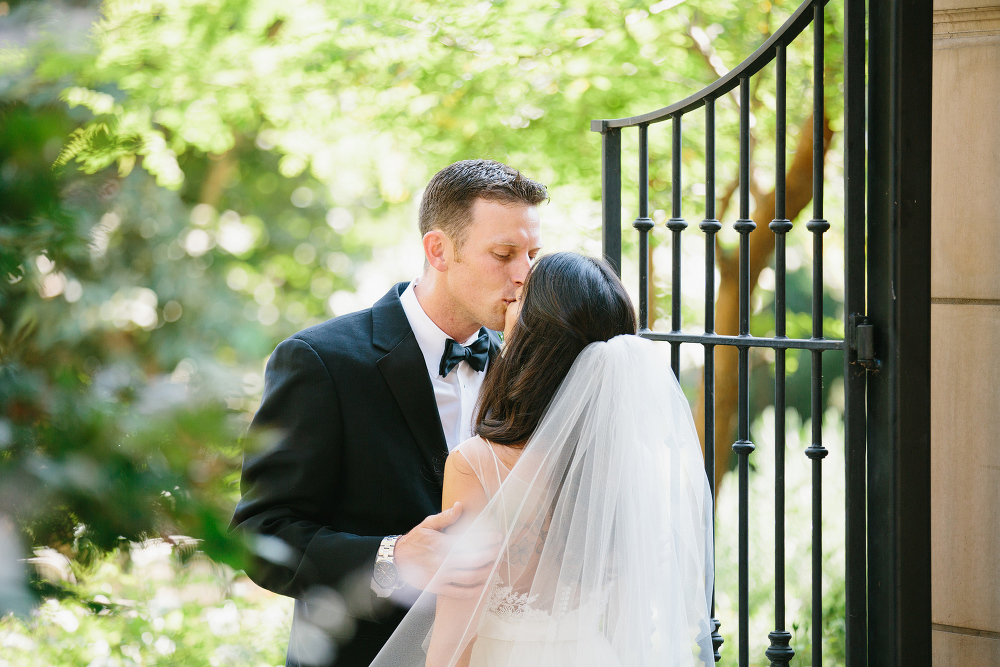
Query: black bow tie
x=476, y=355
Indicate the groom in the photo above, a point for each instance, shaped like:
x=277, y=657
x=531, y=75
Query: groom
x=344, y=504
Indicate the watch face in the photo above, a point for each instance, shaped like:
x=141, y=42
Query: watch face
x=385, y=574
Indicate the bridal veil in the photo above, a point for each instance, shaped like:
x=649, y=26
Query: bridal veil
x=606, y=526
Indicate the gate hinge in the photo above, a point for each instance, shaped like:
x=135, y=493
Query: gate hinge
x=862, y=342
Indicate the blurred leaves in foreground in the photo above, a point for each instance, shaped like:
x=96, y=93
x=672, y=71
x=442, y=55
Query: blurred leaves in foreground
x=120, y=411
x=146, y=605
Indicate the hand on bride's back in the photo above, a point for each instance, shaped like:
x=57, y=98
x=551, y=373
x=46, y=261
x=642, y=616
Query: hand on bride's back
x=421, y=554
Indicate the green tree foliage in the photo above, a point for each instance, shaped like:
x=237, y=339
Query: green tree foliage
x=513, y=80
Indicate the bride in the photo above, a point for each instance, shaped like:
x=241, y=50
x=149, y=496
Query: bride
x=587, y=470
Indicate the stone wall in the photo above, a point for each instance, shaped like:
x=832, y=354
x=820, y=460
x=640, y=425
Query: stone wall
x=965, y=334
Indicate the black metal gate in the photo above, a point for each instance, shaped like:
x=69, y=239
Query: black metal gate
x=874, y=589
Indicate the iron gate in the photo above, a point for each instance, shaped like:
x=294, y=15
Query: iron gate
x=857, y=346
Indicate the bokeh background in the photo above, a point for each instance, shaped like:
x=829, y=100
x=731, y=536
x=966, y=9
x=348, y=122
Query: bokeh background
x=184, y=183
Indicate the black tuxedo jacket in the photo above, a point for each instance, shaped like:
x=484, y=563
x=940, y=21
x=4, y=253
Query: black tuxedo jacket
x=356, y=452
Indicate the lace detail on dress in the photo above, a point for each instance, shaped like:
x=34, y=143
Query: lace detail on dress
x=509, y=605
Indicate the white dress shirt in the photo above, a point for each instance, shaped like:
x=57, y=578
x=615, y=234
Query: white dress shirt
x=456, y=394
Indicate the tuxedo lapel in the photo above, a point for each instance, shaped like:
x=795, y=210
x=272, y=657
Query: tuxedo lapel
x=404, y=371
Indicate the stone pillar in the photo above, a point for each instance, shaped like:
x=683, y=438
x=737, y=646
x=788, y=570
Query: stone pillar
x=965, y=334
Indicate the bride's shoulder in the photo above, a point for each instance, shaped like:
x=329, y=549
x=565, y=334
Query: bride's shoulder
x=478, y=457
x=467, y=457
x=480, y=452
x=463, y=472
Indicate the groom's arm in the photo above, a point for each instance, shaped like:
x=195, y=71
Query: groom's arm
x=287, y=486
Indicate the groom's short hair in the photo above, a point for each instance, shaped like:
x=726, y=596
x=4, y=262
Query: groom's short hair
x=448, y=198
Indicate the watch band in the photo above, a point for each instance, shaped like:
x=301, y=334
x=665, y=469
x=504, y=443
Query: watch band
x=387, y=548
x=385, y=576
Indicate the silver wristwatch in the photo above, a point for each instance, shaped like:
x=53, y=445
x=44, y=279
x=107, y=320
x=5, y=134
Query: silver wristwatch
x=386, y=576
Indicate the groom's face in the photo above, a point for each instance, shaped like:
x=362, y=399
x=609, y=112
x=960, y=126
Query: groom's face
x=499, y=246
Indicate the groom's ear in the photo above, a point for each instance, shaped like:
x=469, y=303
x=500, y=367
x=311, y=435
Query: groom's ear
x=438, y=249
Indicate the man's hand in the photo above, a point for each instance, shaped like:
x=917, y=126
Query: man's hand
x=421, y=553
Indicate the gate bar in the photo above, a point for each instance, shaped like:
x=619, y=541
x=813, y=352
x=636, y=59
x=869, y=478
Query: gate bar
x=856, y=581
x=899, y=294
x=816, y=451
x=710, y=226
x=779, y=652
x=676, y=225
x=825, y=344
x=743, y=447
x=611, y=193
x=644, y=225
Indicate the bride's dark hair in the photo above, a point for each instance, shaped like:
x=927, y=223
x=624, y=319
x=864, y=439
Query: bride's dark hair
x=569, y=302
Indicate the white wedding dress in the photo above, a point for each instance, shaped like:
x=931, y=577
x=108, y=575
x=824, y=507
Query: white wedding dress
x=515, y=629
x=605, y=520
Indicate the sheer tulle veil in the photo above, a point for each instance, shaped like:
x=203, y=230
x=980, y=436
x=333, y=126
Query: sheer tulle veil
x=606, y=521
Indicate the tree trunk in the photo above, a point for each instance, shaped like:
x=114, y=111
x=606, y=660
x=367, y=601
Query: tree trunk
x=798, y=193
x=220, y=168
